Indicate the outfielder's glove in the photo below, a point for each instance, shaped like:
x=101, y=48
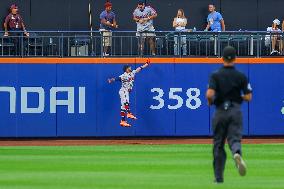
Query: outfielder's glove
x=148, y=61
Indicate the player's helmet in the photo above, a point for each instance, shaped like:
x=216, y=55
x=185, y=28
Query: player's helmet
x=125, y=67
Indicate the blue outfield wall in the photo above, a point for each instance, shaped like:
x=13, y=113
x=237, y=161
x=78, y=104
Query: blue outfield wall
x=67, y=100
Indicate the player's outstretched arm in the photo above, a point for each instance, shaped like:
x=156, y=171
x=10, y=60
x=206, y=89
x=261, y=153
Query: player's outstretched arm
x=111, y=80
x=144, y=66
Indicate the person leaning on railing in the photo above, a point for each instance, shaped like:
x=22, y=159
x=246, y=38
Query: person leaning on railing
x=14, y=21
x=274, y=39
x=179, y=23
x=108, y=23
x=215, y=21
x=143, y=15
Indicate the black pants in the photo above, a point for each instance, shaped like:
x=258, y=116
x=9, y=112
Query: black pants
x=15, y=37
x=227, y=124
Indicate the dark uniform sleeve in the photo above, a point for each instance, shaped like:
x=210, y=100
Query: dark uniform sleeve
x=212, y=82
x=246, y=87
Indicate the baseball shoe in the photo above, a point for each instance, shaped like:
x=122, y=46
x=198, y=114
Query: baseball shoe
x=240, y=164
x=131, y=116
x=218, y=181
x=124, y=124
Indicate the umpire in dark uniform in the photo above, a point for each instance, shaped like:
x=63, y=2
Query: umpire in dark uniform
x=228, y=88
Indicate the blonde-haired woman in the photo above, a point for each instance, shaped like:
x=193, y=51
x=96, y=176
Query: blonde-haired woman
x=179, y=23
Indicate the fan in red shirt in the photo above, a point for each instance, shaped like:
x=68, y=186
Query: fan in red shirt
x=14, y=21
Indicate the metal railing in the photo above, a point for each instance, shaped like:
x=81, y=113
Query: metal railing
x=128, y=44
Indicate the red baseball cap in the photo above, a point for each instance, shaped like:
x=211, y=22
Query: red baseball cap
x=108, y=4
x=14, y=6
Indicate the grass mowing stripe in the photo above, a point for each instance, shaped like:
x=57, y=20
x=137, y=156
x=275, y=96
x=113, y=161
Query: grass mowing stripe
x=135, y=166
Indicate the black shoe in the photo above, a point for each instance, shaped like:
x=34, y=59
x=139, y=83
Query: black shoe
x=219, y=181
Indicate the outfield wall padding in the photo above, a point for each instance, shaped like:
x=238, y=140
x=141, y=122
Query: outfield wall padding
x=168, y=97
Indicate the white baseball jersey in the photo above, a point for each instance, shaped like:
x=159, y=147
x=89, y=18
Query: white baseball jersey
x=127, y=80
x=147, y=26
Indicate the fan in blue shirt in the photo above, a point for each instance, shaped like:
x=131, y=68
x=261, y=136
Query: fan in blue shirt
x=215, y=21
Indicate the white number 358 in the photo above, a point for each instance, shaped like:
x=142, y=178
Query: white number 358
x=192, y=102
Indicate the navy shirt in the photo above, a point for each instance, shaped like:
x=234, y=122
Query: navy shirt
x=108, y=17
x=229, y=85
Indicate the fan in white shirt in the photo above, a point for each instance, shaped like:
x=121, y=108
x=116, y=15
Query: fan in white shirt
x=179, y=23
x=274, y=39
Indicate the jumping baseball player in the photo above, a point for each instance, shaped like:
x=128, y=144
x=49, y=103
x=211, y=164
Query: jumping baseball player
x=127, y=82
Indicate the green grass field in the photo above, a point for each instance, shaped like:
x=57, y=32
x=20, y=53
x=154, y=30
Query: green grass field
x=135, y=167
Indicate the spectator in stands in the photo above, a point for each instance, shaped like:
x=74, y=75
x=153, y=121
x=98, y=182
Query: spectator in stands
x=144, y=15
x=273, y=39
x=179, y=23
x=215, y=21
x=14, y=21
x=15, y=24
x=108, y=23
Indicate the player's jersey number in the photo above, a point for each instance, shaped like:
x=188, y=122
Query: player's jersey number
x=192, y=102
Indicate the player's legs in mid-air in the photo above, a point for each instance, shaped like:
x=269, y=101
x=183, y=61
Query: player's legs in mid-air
x=123, y=112
x=125, y=108
x=129, y=113
x=125, y=104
